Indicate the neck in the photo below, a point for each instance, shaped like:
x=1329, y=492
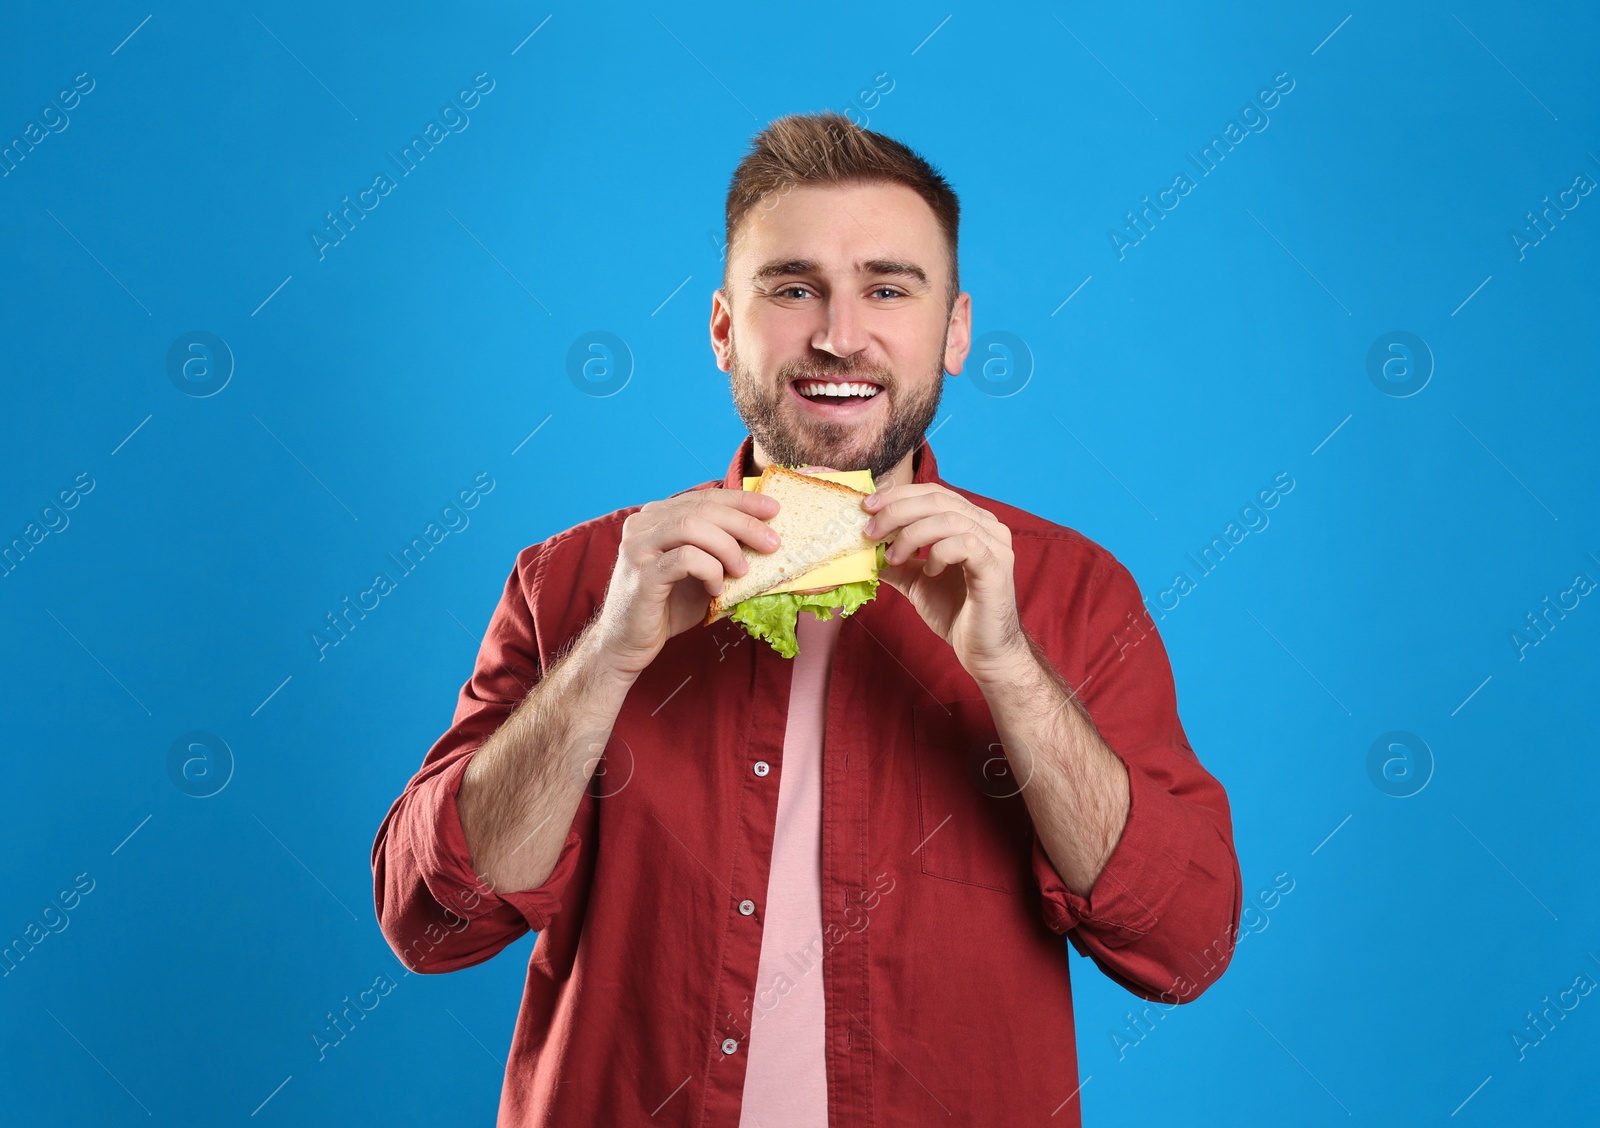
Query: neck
x=901, y=474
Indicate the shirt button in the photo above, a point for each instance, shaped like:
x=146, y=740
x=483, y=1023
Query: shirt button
x=747, y=907
x=762, y=768
x=729, y=1045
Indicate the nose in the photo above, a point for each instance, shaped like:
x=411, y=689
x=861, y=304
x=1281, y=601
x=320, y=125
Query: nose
x=843, y=333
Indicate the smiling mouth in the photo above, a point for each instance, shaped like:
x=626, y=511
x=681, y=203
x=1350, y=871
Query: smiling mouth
x=836, y=392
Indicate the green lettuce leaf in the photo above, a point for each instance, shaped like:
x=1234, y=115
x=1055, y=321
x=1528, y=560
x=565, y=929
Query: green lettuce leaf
x=773, y=617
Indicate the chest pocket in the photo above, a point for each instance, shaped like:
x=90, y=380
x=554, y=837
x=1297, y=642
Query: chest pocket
x=975, y=825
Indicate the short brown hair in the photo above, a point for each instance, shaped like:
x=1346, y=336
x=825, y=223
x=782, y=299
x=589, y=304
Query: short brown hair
x=829, y=148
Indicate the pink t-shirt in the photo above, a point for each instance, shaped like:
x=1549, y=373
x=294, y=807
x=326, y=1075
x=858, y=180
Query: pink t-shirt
x=786, y=1081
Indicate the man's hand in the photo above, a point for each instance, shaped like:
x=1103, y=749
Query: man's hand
x=964, y=588
x=671, y=563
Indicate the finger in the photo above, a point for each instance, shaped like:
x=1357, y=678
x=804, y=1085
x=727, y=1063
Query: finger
x=704, y=530
x=743, y=513
x=987, y=564
x=930, y=530
x=689, y=560
x=724, y=533
x=901, y=511
x=965, y=550
x=743, y=526
x=760, y=504
x=885, y=494
x=901, y=576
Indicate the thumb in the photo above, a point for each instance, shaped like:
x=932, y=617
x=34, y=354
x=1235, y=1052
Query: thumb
x=901, y=576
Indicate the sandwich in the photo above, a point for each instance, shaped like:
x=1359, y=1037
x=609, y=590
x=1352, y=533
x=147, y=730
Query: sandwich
x=823, y=562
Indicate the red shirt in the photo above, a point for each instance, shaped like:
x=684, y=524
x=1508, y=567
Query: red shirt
x=947, y=986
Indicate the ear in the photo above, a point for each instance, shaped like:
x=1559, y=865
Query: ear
x=721, y=329
x=958, y=338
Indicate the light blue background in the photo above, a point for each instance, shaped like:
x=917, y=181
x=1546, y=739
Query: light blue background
x=587, y=193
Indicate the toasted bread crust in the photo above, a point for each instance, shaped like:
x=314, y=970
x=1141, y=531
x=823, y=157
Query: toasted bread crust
x=811, y=479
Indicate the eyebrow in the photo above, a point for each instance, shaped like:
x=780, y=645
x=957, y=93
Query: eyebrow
x=783, y=268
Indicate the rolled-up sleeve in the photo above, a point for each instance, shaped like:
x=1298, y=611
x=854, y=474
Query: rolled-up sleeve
x=1162, y=915
x=435, y=910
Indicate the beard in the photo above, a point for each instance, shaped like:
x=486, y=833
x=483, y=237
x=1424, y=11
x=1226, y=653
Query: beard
x=792, y=438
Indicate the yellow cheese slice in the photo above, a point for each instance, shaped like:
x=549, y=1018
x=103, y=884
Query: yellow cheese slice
x=847, y=569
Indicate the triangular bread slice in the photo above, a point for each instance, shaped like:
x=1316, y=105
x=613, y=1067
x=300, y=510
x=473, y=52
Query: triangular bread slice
x=817, y=522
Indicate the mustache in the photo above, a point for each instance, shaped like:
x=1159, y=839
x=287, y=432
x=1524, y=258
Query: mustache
x=864, y=373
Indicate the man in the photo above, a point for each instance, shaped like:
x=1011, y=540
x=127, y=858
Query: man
x=828, y=889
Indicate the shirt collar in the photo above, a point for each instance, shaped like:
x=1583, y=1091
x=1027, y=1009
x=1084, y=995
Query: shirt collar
x=924, y=466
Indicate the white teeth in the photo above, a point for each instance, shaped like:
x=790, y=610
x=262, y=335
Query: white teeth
x=815, y=387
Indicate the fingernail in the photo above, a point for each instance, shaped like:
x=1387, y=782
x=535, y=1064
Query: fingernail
x=871, y=529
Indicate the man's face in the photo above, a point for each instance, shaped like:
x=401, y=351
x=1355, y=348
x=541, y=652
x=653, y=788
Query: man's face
x=842, y=284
